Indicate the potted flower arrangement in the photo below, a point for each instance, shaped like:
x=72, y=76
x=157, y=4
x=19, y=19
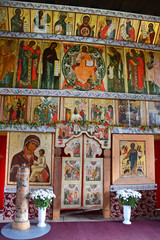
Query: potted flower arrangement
x=42, y=199
x=128, y=198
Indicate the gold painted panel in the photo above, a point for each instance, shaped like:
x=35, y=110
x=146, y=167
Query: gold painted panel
x=19, y=19
x=102, y=110
x=28, y=68
x=128, y=29
x=153, y=117
x=3, y=19
x=85, y=25
x=8, y=56
x=15, y=108
x=41, y=21
x=44, y=109
x=115, y=69
x=135, y=71
x=75, y=109
x=147, y=32
x=132, y=159
x=157, y=41
x=129, y=112
x=63, y=23
x=83, y=67
x=153, y=71
x=107, y=27
x=51, y=63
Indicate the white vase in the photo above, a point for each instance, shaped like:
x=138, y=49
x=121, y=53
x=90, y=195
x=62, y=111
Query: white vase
x=41, y=217
x=127, y=214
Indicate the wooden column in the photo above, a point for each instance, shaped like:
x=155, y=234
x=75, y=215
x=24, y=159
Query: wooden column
x=106, y=183
x=57, y=183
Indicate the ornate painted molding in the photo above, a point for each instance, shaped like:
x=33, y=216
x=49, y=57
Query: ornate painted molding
x=26, y=128
x=43, y=36
x=134, y=130
x=75, y=93
x=12, y=189
x=52, y=129
x=114, y=188
x=53, y=7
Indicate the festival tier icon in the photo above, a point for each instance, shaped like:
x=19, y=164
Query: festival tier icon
x=44, y=109
x=15, y=108
x=102, y=110
x=83, y=67
x=129, y=112
x=153, y=117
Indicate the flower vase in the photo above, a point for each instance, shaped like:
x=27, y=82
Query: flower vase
x=127, y=214
x=41, y=217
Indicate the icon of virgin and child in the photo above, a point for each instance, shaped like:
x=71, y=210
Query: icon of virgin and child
x=39, y=171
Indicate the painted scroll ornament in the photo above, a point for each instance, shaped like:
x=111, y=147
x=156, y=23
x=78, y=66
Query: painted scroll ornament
x=21, y=221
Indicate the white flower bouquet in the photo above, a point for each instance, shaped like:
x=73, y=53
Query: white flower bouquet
x=128, y=197
x=42, y=198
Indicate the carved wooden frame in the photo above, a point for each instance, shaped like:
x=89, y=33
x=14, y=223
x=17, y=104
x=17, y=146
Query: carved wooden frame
x=149, y=158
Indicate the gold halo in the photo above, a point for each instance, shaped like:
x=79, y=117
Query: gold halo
x=87, y=16
x=49, y=43
x=82, y=46
x=6, y=40
x=63, y=13
x=131, y=20
x=14, y=10
x=38, y=10
x=31, y=41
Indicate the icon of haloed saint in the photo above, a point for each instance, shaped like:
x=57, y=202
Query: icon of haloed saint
x=132, y=157
x=39, y=171
x=85, y=66
x=86, y=69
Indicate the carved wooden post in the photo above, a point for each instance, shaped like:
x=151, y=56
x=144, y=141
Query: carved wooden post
x=107, y=183
x=57, y=183
x=21, y=221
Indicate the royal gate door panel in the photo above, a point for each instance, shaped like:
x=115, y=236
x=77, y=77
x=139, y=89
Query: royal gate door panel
x=82, y=174
x=72, y=175
x=93, y=174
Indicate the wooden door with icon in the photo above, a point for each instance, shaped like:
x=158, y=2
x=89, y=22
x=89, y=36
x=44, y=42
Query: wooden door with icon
x=82, y=174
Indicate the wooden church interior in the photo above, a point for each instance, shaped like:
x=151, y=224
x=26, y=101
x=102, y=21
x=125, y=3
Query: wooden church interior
x=86, y=84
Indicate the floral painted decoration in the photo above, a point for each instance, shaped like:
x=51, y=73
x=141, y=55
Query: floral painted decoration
x=128, y=197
